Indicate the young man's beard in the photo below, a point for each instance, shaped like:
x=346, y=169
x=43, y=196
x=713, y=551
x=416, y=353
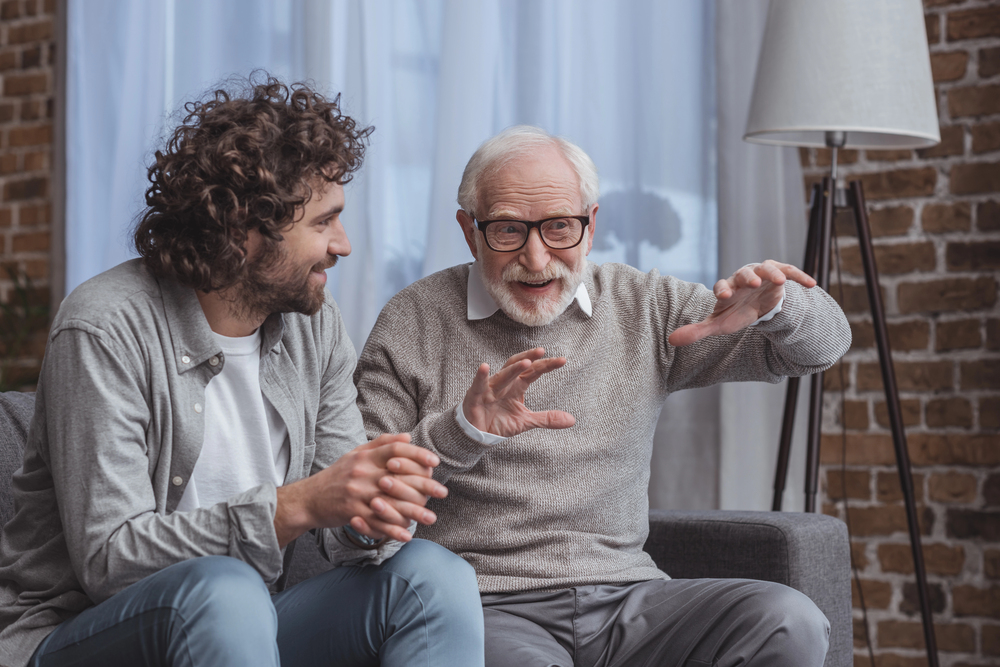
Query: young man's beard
x=273, y=285
x=542, y=311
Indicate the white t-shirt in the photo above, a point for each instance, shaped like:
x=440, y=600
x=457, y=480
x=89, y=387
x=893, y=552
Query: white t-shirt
x=246, y=441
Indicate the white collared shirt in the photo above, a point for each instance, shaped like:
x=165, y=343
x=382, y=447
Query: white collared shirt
x=481, y=305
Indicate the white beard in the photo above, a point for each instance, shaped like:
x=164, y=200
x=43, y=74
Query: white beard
x=544, y=310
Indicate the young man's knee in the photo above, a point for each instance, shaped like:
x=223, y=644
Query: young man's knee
x=217, y=588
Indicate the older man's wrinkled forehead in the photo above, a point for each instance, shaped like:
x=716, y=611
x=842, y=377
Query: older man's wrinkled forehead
x=533, y=185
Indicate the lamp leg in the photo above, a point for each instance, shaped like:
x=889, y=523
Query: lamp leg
x=792, y=393
x=816, y=380
x=895, y=414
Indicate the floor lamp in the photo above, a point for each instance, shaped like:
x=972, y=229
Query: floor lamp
x=847, y=74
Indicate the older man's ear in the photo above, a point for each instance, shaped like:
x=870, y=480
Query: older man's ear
x=591, y=227
x=469, y=229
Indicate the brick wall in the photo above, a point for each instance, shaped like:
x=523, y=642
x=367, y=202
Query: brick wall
x=935, y=217
x=27, y=57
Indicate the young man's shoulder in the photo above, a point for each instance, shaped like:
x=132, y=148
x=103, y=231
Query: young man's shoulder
x=109, y=296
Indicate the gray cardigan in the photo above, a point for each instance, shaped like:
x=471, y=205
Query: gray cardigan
x=117, y=430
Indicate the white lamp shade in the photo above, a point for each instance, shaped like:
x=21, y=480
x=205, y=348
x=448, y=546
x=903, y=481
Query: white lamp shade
x=855, y=66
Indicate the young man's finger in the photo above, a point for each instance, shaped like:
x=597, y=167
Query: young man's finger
x=412, y=488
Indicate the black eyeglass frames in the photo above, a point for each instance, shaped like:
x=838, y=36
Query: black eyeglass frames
x=560, y=233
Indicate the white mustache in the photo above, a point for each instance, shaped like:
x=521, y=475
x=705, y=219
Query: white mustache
x=514, y=272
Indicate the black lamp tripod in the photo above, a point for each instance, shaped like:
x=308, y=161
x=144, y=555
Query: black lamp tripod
x=817, y=264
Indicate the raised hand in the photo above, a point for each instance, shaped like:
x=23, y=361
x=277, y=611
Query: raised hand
x=496, y=404
x=378, y=487
x=742, y=299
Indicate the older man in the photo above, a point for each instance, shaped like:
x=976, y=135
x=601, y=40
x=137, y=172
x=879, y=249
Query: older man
x=548, y=487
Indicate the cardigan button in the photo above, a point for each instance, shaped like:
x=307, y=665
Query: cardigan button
x=186, y=359
x=177, y=481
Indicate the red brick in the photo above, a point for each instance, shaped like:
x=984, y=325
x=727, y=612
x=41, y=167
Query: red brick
x=8, y=163
x=972, y=601
x=34, y=214
x=37, y=269
x=991, y=563
x=29, y=136
x=989, y=412
x=939, y=558
x=10, y=9
x=957, y=335
x=973, y=524
x=8, y=60
x=854, y=298
x=910, y=376
x=909, y=407
x=910, y=634
x=856, y=415
x=32, y=242
x=974, y=23
x=933, y=24
x=908, y=335
x=952, y=143
x=985, y=137
x=6, y=217
x=831, y=379
x=37, y=31
x=878, y=594
x=890, y=221
x=6, y=113
x=29, y=188
x=991, y=490
x=892, y=155
x=975, y=449
x=846, y=156
x=879, y=520
x=32, y=57
x=991, y=639
x=949, y=65
x=981, y=374
x=910, y=604
x=988, y=216
x=36, y=161
x=989, y=62
x=952, y=487
x=888, y=489
x=15, y=85
x=892, y=259
x=981, y=256
x=918, y=182
x=977, y=177
x=862, y=335
x=886, y=659
x=945, y=412
x=950, y=294
x=857, y=484
x=862, y=449
x=943, y=218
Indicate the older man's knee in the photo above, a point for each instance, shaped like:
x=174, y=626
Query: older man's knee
x=796, y=628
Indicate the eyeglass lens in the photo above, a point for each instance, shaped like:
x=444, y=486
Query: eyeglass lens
x=557, y=233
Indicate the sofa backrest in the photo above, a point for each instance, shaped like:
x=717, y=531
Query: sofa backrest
x=16, y=411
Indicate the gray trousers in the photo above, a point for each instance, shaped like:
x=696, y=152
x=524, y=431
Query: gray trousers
x=682, y=622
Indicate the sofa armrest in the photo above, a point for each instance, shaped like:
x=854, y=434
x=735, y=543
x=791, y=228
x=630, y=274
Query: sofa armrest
x=809, y=552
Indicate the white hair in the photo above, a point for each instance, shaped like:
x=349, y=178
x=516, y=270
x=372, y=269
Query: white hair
x=515, y=142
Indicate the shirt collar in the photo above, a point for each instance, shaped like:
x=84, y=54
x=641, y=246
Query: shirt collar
x=481, y=305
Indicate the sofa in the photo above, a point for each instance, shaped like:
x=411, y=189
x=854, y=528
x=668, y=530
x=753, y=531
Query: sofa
x=809, y=552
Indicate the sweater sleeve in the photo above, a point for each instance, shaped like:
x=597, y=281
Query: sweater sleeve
x=388, y=397
x=808, y=336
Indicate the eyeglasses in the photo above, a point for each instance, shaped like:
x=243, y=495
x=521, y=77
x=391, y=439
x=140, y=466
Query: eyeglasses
x=557, y=233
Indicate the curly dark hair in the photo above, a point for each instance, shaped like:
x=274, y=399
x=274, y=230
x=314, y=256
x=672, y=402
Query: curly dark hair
x=238, y=162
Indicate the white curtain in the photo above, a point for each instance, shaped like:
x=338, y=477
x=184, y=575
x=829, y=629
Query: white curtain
x=762, y=215
x=632, y=82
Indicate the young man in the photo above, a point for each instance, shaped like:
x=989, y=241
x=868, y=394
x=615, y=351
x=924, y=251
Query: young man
x=195, y=414
x=548, y=487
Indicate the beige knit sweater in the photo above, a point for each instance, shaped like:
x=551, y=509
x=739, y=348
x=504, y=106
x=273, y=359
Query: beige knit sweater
x=554, y=509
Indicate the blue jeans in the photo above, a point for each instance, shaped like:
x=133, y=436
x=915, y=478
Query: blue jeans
x=421, y=607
